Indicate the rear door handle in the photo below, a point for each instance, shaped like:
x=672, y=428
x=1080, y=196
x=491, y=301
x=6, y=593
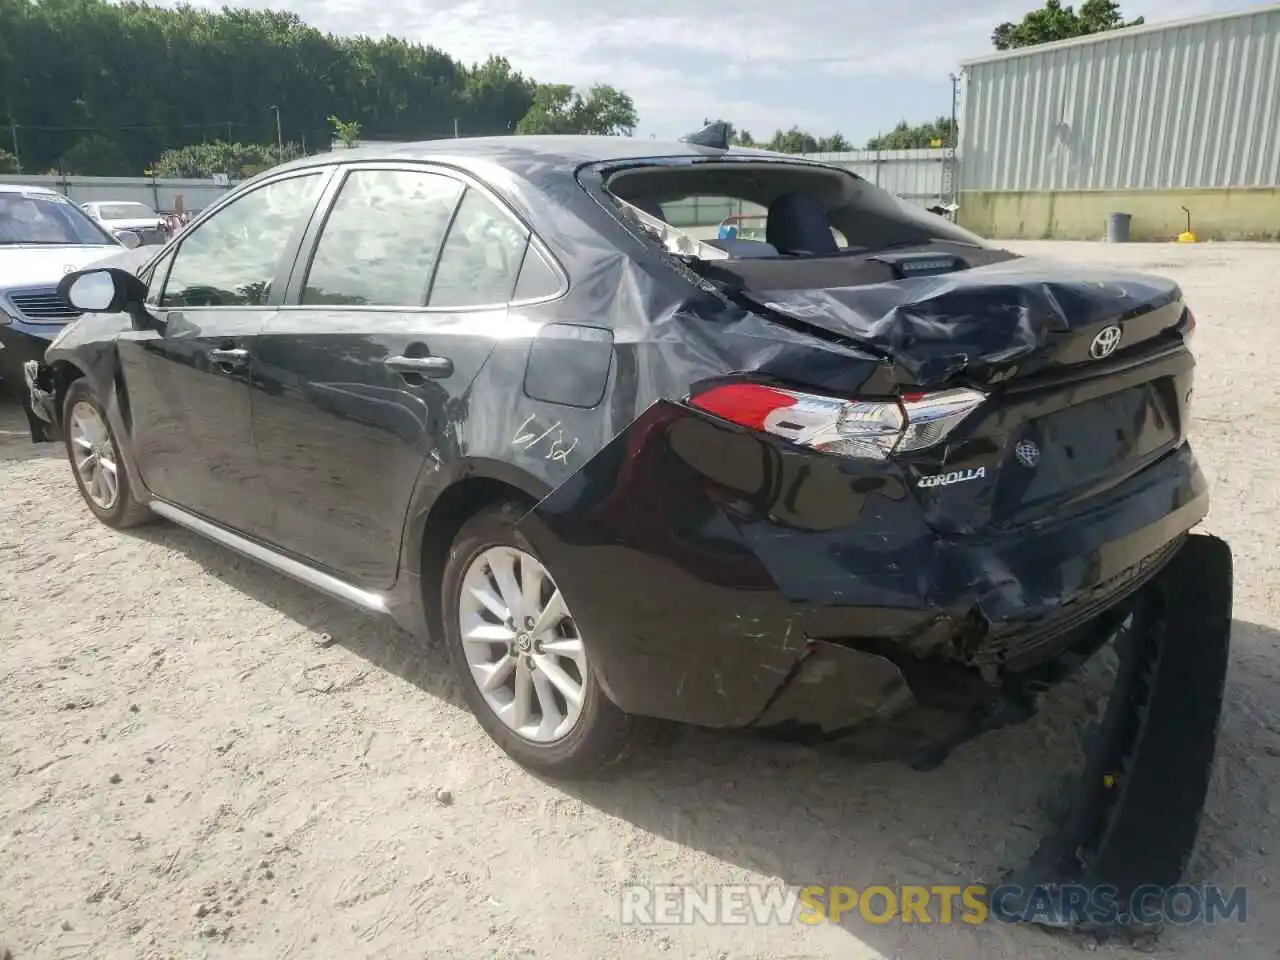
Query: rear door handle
x=232, y=358
x=422, y=366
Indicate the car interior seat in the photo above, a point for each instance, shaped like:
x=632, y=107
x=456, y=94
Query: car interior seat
x=797, y=225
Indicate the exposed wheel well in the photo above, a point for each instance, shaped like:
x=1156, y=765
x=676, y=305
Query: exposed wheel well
x=456, y=506
x=64, y=374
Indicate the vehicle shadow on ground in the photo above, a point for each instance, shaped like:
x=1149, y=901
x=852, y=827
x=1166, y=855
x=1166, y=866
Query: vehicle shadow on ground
x=377, y=640
x=806, y=816
x=15, y=436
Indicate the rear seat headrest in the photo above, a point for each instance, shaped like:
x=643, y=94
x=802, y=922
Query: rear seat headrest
x=797, y=223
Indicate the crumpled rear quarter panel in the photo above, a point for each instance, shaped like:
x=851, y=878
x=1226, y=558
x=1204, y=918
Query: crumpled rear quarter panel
x=662, y=569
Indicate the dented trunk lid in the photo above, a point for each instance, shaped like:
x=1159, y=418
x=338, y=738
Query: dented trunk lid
x=1086, y=372
x=988, y=323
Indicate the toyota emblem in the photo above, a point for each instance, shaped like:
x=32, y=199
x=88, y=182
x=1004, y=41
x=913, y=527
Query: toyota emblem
x=1105, y=343
x=1027, y=453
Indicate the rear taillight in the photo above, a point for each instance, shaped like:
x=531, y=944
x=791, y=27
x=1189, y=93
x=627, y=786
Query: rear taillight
x=866, y=429
x=1189, y=324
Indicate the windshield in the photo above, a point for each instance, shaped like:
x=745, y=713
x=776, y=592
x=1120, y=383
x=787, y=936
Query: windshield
x=40, y=218
x=124, y=211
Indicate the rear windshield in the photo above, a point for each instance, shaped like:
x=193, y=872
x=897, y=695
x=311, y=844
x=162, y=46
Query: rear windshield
x=752, y=209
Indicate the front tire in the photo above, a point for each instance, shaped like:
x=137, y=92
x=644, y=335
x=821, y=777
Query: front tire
x=524, y=668
x=94, y=454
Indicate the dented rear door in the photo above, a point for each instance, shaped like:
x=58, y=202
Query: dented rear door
x=362, y=380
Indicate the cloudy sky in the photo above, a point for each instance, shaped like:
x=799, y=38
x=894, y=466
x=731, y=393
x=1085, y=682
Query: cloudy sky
x=856, y=66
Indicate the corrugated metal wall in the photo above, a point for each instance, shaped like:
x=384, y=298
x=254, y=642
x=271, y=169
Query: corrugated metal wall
x=914, y=175
x=1186, y=105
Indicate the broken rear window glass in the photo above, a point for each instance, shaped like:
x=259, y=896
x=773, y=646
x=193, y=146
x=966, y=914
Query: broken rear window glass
x=759, y=208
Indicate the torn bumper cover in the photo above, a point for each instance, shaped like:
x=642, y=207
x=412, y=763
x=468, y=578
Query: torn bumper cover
x=728, y=580
x=41, y=401
x=1135, y=816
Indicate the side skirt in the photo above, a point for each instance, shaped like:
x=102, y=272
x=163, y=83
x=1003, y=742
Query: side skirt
x=367, y=600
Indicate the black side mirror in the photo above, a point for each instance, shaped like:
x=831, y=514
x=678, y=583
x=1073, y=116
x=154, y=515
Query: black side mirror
x=104, y=290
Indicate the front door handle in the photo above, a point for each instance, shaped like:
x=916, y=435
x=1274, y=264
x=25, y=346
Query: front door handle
x=422, y=366
x=229, y=358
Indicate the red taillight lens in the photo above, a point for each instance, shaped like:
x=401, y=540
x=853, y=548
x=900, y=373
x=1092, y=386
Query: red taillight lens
x=748, y=404
x=1191, y=324
x=865, y=429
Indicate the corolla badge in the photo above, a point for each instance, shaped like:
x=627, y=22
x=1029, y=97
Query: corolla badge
x=1105, y=342
x=1027, y=453
x=955, y=476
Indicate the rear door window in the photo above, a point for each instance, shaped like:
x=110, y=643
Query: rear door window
x=382, y=238
x=481, y=256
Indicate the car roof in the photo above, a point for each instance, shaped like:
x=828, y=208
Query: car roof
x=529, y=156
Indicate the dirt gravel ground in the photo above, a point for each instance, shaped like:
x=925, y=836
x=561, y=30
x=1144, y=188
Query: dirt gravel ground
x=199, y=758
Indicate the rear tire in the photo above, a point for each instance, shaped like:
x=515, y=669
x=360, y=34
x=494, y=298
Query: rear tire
x=94, y=454
x=524, y=637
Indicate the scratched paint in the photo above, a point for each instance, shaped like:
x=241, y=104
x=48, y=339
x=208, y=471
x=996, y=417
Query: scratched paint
x=551, y=443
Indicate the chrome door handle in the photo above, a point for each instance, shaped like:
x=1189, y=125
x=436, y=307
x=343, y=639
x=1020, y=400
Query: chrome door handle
x=229, y=357
x=423, y=366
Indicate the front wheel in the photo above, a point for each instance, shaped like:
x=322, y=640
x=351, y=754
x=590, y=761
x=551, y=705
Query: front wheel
x=524, y=668
x=95, y=460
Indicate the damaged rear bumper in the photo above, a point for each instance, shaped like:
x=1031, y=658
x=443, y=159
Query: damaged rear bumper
x=1135, y=817
x=726, y=580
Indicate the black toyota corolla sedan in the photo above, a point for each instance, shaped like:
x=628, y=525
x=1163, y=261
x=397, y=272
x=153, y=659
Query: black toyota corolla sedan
x=860, y=476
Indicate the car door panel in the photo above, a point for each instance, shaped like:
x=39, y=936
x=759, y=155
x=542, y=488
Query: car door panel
x=358, y=385
x=342, y=435
x=190, y=413
x=187, y=380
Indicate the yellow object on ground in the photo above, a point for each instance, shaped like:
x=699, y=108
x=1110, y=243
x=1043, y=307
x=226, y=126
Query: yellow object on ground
x=1187, y=237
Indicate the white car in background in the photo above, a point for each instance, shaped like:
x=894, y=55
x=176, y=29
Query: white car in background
x=43, y=237
x=117, y=215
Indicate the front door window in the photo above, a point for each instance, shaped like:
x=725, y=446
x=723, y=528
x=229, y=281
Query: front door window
x=231, y=259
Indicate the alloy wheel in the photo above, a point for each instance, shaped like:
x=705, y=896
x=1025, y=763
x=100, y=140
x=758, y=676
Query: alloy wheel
x=521, y=644
x=94, y=455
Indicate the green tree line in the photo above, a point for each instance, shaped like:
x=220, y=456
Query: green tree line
x=1053, y=22
x=902, y=137
x=92, y=87
x=108, y=88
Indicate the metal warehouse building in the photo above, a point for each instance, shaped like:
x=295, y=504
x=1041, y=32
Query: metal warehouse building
x=1145, y=121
